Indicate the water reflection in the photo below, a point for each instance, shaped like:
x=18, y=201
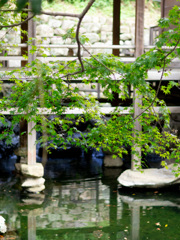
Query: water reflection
x=90, y=209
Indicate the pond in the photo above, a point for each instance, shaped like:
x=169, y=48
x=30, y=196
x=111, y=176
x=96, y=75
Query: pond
x=77, y=207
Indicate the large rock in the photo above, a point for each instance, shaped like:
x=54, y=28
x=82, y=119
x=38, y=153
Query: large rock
x=35, y=170
x=149, y=178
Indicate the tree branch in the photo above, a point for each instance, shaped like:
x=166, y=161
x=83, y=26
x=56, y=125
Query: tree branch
x=81, y=16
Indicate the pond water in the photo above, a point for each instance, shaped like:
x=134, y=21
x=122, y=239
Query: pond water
x=77, y=207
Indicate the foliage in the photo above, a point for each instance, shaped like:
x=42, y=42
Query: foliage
x=50, y=88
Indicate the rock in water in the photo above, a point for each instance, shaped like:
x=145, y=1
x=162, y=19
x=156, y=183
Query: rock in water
x=149, y=178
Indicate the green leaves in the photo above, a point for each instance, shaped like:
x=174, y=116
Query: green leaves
x=3, y=2
x=21, y=4
x=36, y=6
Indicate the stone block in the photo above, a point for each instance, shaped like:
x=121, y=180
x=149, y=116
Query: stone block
x=59, y=32
x=55, y=23
x=107, y=28
x=44, y=30
x=14, y=63
x=109, y=161
x=35, y=170
x=67, y=24
x=44, y=18
x=36, y=189
x=93, y=37
x=57, y=40
x=59, y=51
x=33, y=182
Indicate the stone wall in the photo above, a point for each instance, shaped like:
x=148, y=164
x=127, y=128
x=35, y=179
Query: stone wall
x=98, y=29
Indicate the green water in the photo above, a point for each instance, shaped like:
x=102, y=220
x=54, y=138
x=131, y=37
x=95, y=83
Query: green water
x=90, y=209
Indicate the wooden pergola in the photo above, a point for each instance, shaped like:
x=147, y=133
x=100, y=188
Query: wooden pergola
x=28, y=141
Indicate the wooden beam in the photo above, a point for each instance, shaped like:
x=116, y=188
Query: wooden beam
x=137, y=100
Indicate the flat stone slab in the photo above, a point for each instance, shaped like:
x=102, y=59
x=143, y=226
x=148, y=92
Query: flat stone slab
x=33, y=182
x=149, y=178
x=34, y=170
x=36, y=189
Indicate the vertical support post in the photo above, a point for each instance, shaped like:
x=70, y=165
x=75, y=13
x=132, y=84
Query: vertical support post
x=31, y=158
x=116, y=38
x=139, y=44
x=162, y=8
x=23, y=123
x=28, y=139
x=116, y=25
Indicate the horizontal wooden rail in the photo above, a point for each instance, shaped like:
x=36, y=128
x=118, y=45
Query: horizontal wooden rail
x=78, y=111
x=106, y=46
x=153, y=75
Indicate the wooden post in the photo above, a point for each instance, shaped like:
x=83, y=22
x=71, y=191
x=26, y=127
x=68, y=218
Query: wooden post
x=28, y=139
x=139, y=43
x=116, y=39
x=116, y=25
x=31, y=158
x=23, y=123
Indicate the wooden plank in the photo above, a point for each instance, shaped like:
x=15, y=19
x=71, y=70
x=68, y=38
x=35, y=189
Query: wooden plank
x=154, y=75
x=78, y=111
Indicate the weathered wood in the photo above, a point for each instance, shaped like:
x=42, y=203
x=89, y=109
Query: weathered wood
x=31, y=37
x=167, y=5
x=31, y=155
x=78, y=111
x=23, y=123
x=31, y=159
x=24, y=38
x=28, y=139
x=139, y=43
